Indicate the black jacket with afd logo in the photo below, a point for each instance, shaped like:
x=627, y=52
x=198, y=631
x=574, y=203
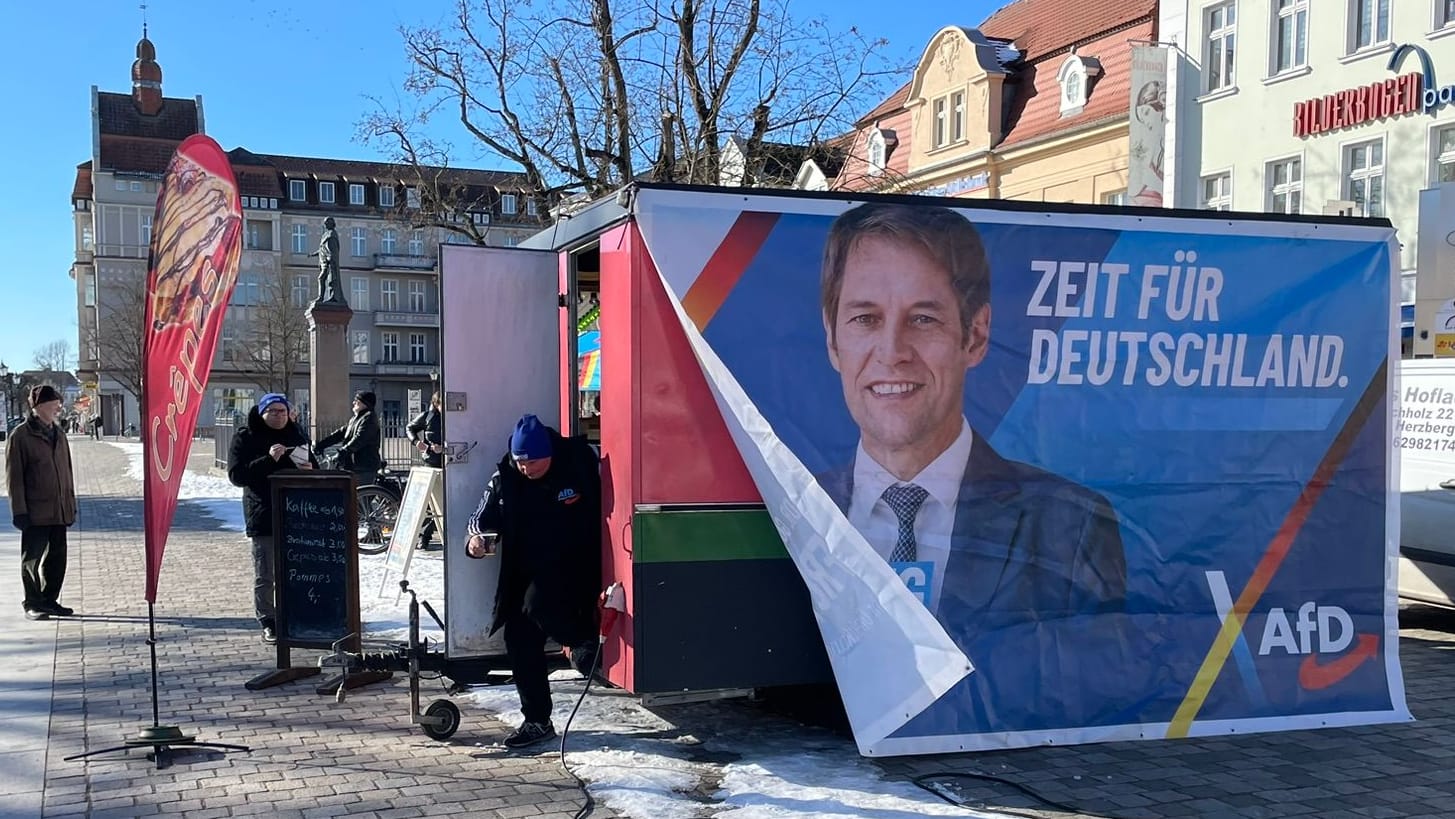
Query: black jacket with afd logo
x=249, y=465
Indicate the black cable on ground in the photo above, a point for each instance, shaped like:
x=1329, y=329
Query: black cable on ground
x=590, y=804
x=1050, y=803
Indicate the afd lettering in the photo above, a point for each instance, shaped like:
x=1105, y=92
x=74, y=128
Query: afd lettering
x=1331, y=624
x=1400, y=95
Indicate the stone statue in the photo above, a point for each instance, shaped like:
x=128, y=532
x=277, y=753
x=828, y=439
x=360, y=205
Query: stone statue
x=330, y=285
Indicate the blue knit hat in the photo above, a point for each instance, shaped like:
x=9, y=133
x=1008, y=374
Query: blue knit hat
x=531, y=439
x=271, y=399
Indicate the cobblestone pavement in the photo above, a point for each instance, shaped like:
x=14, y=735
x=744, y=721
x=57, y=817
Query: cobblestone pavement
x=311, y=756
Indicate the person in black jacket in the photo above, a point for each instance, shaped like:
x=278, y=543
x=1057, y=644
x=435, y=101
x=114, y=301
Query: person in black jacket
x=542, y=508
x=270, y=442
x=358, y=441
x=427, y=433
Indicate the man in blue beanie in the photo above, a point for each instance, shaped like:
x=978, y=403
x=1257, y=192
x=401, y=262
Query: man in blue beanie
x=542, y=508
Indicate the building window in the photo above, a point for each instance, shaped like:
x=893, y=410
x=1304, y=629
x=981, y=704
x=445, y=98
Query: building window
x=1072, y=79
x=325, y=193
x=359, y=242
x=90, y=290
x=144, y=230
x=941, y=131
x=1442, y=144
x=507, y=204
x=300, y=291
x=478, y=218
x=356, y=194
x=300, y=239
x=1290, y=35
x=361, y=347
x=1222, y=22
x=1285, y=186
x=1364, y=177
x=387, y=240
x=411, y=198
x=531, y=208
x=391, y=345
x=416, y=243
x=957, y=116
x=259, y=234
x=297, y=190
x=359, y=293
x=416, y=297
x=1115, y=197
x=416, y=348
x=1217, y=192
x=877, y=151
x=120, y=184
x=136, y=186
x=386, y=196
x=88, y=237
x=1444, y=13
x=1370, y=23
x=389, y=294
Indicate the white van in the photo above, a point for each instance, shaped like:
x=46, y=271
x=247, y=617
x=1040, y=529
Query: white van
x=1424, y=431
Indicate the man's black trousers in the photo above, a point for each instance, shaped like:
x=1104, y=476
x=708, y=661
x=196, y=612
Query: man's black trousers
x=42, y=564
x=525, y=645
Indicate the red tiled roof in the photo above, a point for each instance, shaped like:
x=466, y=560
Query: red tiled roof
x=892, y=103
x=302, y=167
x=1036, y=107
x=136, y=155
x=119, y=115
x=82, y=189
x=1042, y=27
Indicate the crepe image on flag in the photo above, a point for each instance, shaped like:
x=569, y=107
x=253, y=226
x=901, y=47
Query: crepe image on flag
x=197, y=206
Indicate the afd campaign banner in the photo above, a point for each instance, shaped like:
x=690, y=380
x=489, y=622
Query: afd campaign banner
x=196, y=243
x=1060, y=477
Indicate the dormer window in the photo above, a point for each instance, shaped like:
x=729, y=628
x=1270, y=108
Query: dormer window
x=1074, y=78
x=877, y=151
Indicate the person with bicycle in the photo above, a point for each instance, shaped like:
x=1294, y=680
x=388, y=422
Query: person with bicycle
x=542, y=509
x=270, y=442
x=358, y=441
x=427, y=433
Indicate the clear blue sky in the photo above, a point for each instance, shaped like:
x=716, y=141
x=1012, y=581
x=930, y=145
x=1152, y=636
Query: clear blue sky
x=274, y=78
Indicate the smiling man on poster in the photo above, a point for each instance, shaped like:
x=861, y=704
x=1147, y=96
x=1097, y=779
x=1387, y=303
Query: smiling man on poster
x=987, y=543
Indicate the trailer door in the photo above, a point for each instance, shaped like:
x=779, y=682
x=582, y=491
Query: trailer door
x=499, y=359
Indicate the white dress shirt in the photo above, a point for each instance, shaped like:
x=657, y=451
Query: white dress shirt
x=935, y=522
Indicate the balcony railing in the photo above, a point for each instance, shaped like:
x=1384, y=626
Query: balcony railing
x=122, y=251
x=407, y=318
x=420, y=368
x=403, y=261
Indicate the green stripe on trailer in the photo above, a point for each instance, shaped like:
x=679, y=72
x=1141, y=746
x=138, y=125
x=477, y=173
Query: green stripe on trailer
x=677, y=535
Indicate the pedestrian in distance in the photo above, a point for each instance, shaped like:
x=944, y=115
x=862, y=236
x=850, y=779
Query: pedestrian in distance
x=270, y=442
x=42, y=491
x=427, y=433
x=541, y=513
x=358, y=441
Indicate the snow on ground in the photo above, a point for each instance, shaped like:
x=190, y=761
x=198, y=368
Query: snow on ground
x=718, y=759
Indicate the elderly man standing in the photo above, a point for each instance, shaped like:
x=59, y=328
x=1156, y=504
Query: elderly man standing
x=42, y=502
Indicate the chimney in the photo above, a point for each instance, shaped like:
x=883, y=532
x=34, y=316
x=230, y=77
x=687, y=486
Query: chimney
x=146, y=77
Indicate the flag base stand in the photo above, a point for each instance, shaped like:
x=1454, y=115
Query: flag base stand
x=164, y=741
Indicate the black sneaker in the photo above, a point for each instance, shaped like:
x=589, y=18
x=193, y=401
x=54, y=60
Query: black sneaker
x=57, y=609
x=270, y=635
x=528, y=734
x=36, y=614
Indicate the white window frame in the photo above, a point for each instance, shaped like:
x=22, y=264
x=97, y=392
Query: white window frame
x=1224, y=37
x=389, y=340
x=300, y=291
x=1071, y=80
x=1287, y=189
x=389, y=294
x=957, y=117
x=388, y=239
x=1436, y=158
x=297, y=190
x=1295, y=10
x=1444, y=13
x=416, y=243
x=1114, y=197
x=507, y=204
x=386, y=195
x=1357, y=9
x=359, y=242
x=1348, y=175
x=940, y=130
x=299, y=238
x=325, y=193
x=144, y=230
x=876, y=152
x=360, y=352
x=418, y=299
x=418, y=348
x=356, y=193
x=119, y=184
x=411, y=198
x=359, y=293
x=532, y=208
x=1223, y=200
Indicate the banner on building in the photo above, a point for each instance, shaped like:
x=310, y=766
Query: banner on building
x=1055, y=481
x=1147, y=126
x=196, y=243
x=1445, y=329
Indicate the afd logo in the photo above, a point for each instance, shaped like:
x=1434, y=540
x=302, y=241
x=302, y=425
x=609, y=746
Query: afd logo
x=1432, y=96
x=1323, y=635
x=568, y=496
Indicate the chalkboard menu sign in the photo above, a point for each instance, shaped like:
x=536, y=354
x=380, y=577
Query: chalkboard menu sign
x=315, y=563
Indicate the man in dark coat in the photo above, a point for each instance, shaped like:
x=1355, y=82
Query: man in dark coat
x=42, y=502
x=358, y=441
x=543, y=508
x=427, y=433
x=271, y=442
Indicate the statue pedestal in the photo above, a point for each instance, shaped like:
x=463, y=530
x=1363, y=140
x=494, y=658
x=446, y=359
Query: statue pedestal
x=328, y=379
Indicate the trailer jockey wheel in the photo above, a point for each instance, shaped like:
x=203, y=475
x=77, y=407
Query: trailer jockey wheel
x=441, y=720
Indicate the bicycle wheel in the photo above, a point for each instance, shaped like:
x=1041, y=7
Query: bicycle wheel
x=378, y=508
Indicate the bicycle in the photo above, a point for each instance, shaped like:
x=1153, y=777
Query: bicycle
x=378, y=506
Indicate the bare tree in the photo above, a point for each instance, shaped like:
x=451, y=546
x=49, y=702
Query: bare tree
x=272, y=348
x=587, y=95
x=54, y=355
x=120, y=340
